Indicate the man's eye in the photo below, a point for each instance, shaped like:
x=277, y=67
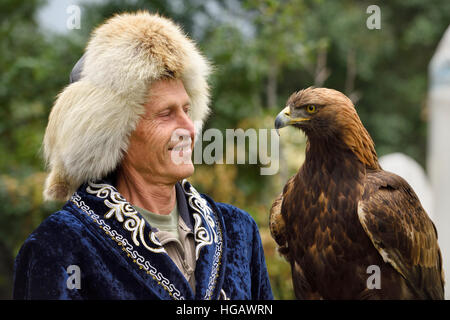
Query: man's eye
x=187, y=109
x=164, y=113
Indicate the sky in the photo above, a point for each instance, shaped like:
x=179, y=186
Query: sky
x=54, y=15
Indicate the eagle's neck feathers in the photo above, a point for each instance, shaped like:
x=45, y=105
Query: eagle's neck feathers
x=332, y=160
x=340, y=133
x=353, y=134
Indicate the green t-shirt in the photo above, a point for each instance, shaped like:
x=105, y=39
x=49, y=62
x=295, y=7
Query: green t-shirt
x=164, y=222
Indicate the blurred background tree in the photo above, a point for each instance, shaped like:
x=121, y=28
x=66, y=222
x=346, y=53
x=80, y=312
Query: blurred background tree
x=262, y=50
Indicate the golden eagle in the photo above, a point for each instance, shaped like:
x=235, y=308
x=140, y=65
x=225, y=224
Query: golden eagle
x=341, y=215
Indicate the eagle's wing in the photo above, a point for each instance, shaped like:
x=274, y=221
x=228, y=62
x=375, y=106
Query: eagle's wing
x=278, y=231
x=276, y=222
x=401, y=231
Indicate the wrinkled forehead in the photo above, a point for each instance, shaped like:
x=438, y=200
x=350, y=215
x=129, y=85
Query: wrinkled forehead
x=167, y=91
x=166, y=86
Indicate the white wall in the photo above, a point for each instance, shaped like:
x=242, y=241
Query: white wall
x=439, y=147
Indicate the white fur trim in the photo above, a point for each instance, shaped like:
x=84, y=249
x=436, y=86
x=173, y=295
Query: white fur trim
x=92, y=119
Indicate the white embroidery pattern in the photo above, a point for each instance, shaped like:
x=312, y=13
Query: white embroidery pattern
x=223, y=295
x=216, y=264
x=205, y=235
x=124, y=212
x=127, y=247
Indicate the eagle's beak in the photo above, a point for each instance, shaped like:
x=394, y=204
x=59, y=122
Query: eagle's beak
x=284, y=119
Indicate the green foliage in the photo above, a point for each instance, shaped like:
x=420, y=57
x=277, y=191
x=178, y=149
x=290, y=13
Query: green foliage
x=262, y=51
x=22, y=210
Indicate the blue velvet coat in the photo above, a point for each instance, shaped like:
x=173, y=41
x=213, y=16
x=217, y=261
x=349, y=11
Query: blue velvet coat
x=117, y=255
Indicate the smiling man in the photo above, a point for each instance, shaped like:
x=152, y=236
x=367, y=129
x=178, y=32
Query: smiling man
x=118, y=145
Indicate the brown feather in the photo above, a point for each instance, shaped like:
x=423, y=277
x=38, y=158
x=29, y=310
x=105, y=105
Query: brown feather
x=330, y=245
x=276, y=222
x=409, y=243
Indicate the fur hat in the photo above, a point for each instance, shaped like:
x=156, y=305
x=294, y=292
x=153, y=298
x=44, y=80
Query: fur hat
x=91, y=121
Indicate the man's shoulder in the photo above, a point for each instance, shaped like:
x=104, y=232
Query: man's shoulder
x=232, y=214
x=233, y=211
x=56, y=228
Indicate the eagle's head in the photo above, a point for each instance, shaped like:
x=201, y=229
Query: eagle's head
x=328, y=116
x=316, y=111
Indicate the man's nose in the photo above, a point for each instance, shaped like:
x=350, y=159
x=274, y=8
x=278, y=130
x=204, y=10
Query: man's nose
x=185, y=122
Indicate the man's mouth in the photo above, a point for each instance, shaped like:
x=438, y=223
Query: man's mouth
x=181, y=147
x=181, y=153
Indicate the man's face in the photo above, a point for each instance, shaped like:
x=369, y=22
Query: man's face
x=161, y=146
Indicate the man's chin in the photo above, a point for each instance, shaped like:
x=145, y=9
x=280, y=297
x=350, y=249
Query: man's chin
x=182, y=171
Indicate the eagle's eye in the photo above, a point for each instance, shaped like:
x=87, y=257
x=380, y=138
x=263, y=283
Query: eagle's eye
x=311, y=108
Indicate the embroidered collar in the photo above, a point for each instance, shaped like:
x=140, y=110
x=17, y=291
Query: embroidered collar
x=108, y=209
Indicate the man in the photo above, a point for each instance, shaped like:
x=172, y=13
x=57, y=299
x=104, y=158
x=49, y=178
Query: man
x=118, y=145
